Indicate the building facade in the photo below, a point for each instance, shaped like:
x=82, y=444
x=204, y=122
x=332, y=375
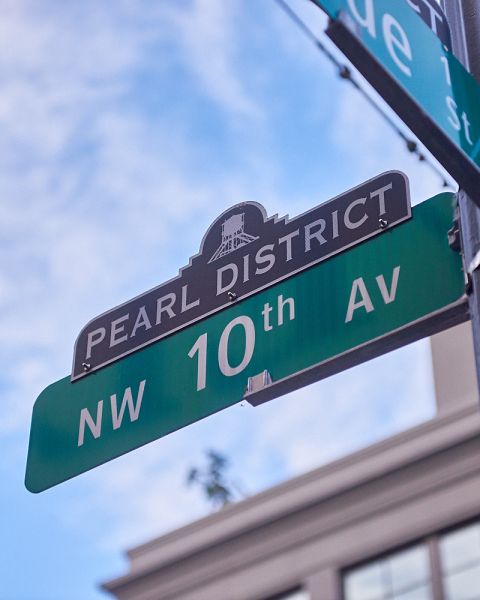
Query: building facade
x=399, y=520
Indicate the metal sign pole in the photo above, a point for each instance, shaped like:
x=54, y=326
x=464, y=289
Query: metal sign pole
x=464, y=17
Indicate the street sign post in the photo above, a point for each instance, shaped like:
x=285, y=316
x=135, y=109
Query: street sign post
x=464, y=16
x=383, y=293
x=419, y=78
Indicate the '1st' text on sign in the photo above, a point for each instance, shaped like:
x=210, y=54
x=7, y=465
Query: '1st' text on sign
x=418, y=77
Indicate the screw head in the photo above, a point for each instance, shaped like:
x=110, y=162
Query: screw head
x=86, y=366
x=382, y=223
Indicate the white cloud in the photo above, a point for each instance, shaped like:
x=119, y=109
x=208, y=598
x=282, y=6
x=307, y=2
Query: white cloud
x=355, y=408
x=293, y=39
x=140, y=495
x=208, y=31
x=371, y=146
x=91, y=192
x=95, y=189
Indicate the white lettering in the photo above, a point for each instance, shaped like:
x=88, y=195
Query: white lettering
x=94, y=338
x=134, y=411
x=261, y=258
x=185, y=305
x=396, y=40
x=316, y=235
x=246, y=268
x=288, y=239
x=94, y=426
x=170, y=300
x=281, y=303
x=444, y=60
x=368, y=18
x=249, y=329
x=381, y=197
x=200, y=346
x=220, y=286
x=116, y=328
x=354, y=224
x=434, y=15
x=453, y=118
x=365, y=301
x=388, y=295
x=466, y=125
x=267, y=309
x=335, y=224
x=141, y=321
x=415, y=7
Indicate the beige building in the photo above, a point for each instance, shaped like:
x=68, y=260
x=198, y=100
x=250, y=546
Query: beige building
x=399, y=520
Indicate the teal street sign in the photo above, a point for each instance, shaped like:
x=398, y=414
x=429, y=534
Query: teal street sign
x=415, y=73
x=384, y=292
x=433, y=15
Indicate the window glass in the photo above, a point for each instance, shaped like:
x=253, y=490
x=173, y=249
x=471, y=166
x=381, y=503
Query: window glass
x=296, y=595
x=460, y=548
x=406, y=575
x=409, y=569
x=464, y=585
x=365, y=583
x=403, y=575
x=420, y=593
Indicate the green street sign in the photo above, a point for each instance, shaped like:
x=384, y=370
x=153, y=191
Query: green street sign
x=242, y=252
x=390, y=290
x=418, y=77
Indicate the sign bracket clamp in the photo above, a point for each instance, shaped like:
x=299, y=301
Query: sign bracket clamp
x=257, y=383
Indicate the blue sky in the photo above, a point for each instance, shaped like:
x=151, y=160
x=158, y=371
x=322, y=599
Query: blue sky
x=127, y=128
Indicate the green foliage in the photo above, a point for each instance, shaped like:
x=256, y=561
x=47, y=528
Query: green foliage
x=217, y=489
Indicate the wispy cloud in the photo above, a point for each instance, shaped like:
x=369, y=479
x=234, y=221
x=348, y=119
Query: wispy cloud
x=371, y=145
x=208, y=34
x=109, y=180
x=84, y=171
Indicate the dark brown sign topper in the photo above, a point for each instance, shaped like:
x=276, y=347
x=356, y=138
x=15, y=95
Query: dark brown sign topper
x=243, y=252
x=431, y=12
